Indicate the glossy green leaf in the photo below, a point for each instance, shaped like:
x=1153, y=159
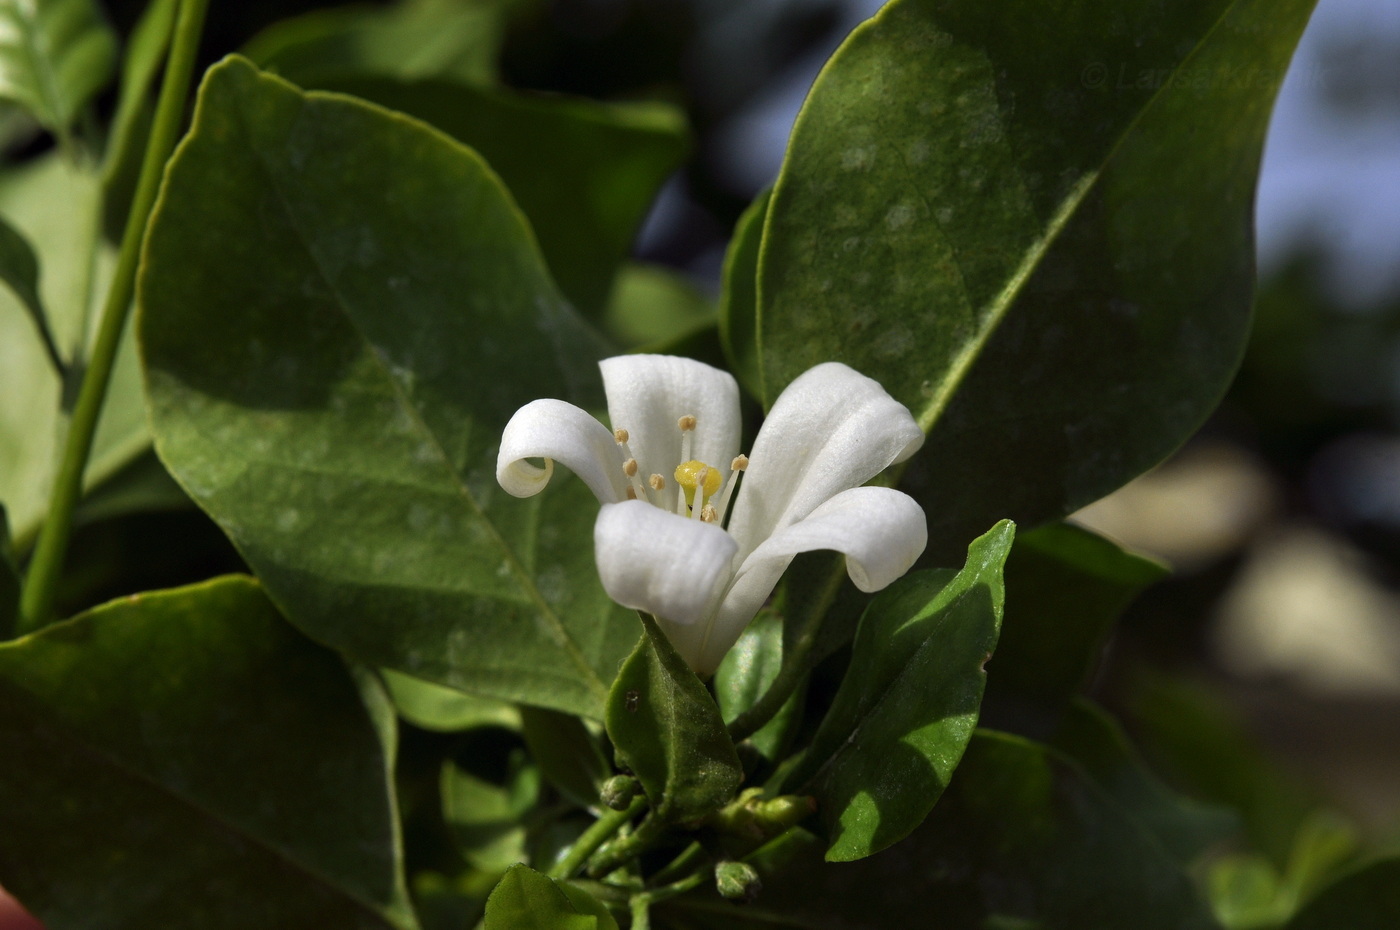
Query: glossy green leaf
x=909, y=702
x=19, y=268
x=486, y=819
x=185, y=758
x=329, y=378
x=653, y=308
x=446, y=710
x=54, y=56
x=1366, y=899
x=568, y=755
x=55, y=207
x=1185, y=828
x=744, y=676
x=666, y=730
x=410, y=39
x=1034, y=227
x=528, y=900
x=738, y=302
x=1065, y=587
x=584, y=173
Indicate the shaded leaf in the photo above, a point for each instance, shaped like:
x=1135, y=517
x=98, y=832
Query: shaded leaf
x=9, y=581
x=1065, y=588
x=19, y=268
x=329, y=377
x=584, y=173
x=528, y=900
x=185, y=758
x=54, y=56
x=909, y=702
x=1366, y=899
x=446, y=710
x=486, y=819
x=567, y=754
x=745, y=675
x=667, y=731
x=738, y=301
x=1037, y=234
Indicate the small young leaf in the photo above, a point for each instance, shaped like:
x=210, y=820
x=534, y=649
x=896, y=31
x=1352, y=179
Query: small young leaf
x=185, y=758
x=668, y=732
x=738, y=301
x=528, y=900
x=54, y=56
x=446, y=710
x=909, y=702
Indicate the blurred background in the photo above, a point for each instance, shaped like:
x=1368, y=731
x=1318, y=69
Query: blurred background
x=1277, y=639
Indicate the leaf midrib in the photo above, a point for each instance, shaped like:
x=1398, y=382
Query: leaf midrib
x=563, y=638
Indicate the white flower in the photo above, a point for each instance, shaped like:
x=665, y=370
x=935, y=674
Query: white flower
x=704, y=567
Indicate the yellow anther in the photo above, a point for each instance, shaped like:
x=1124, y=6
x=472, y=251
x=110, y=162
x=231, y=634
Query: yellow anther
x=631, y=493
x=686, y=423
x=740, y=463
x=621, y=435
x=657, y=482
x=708, y=514
x=690, y=474
x=629, y=467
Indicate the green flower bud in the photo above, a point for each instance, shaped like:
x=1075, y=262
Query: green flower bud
x=619, y=791
x=737, y=881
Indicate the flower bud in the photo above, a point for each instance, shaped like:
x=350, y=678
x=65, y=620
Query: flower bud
x=619, y=791
x=737, y=881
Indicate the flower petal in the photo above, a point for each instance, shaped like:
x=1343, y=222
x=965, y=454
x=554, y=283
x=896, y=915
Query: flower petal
x=647, y=394
x=668, y=565
x=553, y=429
x=881, y=531
x=831, y=429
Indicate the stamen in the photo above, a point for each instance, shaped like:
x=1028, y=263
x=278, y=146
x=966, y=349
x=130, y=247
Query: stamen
x=687, y=427
x=621, y=435
x=657, y=483
x=629, y=467
x=697, y=507
x=740, y=463
x=631, y=493
x=686, y=423
x=708, y=514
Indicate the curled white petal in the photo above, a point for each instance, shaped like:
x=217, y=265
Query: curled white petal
x=668, y=565
x=832, y=429
x=647, y=394
x=881, y=531
x=555, y=430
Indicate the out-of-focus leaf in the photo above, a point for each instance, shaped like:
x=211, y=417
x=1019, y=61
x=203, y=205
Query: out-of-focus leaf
x=446, y=710
x=566, y=752
x=330, y=375
x=185, y=758
x=487, y=819
x=584, y=173
x=1089, y=736
x=455, y=39
x=653, y=308
x=1366, y=899
x=1065, y=587
x=909, y=701
x=738, y=301
x=19, y=268
x=527, y=900
x=1248, y=891
x=1035, y=227
x=54, y=56
x=9, y=581
x=667, y=731
x=744, y=676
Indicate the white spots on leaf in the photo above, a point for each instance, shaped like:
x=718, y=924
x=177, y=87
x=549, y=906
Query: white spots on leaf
x=850, y=244
x=895, y=342
x=288, y=519
x=899, y=216
x=918, y=152
x=858, y=158
x=945, y=215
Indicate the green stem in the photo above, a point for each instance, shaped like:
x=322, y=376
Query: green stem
x=640, y=907
x=628, y=847
x=690, y=856
x=595, y=836
x=47, y=564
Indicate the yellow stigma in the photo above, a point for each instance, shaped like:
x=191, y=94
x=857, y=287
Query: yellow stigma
x=688, y=475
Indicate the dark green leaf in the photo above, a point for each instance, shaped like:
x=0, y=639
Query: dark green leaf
x=738, y=302
x=410, y=39
x=1065, y=587
x=583, y=172
x=19, y=268
x=1366, y=899
x=1035, y=228
x=744, y=676
x=54, y=56
x=668, y=732
x=329, y=377
x=567, y=754
x=528, y=900
x=1185, y=828
x=9, y=581
x=184, y=758
x=909, y=702
x=486, y=819
x=446, y=710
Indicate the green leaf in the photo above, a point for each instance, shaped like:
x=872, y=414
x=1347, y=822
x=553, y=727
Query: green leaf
x=528, y=900
x=909, y=702
x=184, y=758
x=1184, y=827
x=55, y=207
x=667, y=731
x=738, y=301
x=330, y=375
x=1039, y=239
x=567, y=754
x=410, y=39
x=54, y=56
x=1366, y=899
x=446, y=710
x=653, y=308
x=584, y=173
x=9, y=581
x=486, y=819
x=1065, y=588
x=19, y=268
x=744, y=676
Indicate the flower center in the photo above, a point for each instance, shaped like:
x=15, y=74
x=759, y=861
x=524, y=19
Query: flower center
x=691, y=476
